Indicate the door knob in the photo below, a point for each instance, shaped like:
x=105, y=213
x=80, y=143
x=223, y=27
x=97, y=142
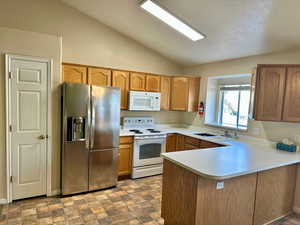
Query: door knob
x=41, y=137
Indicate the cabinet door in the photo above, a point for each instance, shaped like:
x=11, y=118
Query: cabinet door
x=171, y=143
x=74, y=74
x=120, y=79
x=275, y=193
x=269, y=94
x=99, y=76
x=165, y=93
x=137, y=82
x=179, y=93
x=207, y=144
x=193, y=99
x=153, y=83
x=291, y=110
x=179, y=142
x=192, y=141
x=125, y=159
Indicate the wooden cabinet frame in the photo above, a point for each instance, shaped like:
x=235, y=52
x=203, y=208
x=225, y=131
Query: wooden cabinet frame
x=282, y=107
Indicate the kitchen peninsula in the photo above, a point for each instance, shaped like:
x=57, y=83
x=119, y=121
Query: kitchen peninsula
x=243, y=183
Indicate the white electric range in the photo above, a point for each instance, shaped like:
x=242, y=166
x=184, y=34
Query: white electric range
x=149, y=143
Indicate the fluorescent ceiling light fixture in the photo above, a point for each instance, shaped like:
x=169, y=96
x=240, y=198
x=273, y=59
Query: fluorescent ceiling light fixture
x=171, y=20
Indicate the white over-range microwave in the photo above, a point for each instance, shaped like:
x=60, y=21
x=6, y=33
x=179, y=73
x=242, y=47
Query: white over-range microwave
x=144, y=101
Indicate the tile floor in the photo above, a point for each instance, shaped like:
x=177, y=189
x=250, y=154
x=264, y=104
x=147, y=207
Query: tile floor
x=133, y=202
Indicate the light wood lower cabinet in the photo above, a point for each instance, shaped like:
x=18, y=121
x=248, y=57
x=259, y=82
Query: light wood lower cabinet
x=255, y=199
x=171, y=142
x=275, y=193
x=188, y=199
x=178, y=142
x=125, y=156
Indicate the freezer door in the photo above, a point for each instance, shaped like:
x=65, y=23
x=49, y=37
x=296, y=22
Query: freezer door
x=75, y=168
x=103, y=168
x=75, y=138
x=105, y=126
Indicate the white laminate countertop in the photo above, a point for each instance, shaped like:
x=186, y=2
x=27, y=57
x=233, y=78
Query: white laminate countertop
x=241, y=156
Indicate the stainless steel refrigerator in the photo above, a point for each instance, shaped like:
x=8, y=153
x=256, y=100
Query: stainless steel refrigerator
x=90, y=137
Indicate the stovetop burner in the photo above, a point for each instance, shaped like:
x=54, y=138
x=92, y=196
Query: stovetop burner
x=153, y=131
x=136, y=131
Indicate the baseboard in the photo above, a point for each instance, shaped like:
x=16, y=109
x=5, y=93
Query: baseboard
x=55, y=192
x=3, y=201
x=296, y=210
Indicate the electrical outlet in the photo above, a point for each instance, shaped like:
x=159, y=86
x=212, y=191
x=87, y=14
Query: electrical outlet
x=297, y=138
x=220, y=185
x=255, y=131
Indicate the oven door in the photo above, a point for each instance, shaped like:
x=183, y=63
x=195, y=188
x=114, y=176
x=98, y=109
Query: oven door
x=148, y=151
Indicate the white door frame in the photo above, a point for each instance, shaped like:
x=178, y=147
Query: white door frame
x=8, y=59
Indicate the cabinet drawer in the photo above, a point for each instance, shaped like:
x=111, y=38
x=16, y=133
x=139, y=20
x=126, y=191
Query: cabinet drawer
x=207, y=144
x=190, y=147
x=191, y=141
x=126, y=140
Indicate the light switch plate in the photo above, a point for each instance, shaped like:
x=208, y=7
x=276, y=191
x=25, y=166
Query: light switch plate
x=220, y=185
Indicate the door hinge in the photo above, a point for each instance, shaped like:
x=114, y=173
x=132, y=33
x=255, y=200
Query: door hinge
x=9, y=75
x=10, y=128
x=11, y=179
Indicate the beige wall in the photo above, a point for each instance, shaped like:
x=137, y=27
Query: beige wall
x=162, y=117
x=85, y=40
x=31, y=44
x=273, y=131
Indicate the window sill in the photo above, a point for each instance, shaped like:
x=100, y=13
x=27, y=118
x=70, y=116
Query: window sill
x=226, y=127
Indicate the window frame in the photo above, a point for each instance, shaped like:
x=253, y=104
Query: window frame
x=220, y=107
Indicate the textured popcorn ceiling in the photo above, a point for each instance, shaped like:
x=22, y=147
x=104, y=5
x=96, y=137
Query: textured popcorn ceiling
x=234, y=28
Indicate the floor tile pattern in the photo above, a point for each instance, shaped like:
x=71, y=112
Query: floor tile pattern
x=133, y=202
x=289, y=220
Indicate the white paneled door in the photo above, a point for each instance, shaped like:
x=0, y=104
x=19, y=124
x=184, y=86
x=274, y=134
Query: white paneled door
x=28, y=127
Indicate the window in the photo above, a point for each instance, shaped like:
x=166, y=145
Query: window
x=234, y=106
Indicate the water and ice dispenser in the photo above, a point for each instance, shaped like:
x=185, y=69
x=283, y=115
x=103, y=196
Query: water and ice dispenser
x=76, y=128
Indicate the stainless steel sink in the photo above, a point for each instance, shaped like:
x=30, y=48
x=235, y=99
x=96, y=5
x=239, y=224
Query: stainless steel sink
x=205, y=134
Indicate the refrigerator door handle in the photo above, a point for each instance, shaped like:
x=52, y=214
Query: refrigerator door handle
x=87, y=126
x=93, y=122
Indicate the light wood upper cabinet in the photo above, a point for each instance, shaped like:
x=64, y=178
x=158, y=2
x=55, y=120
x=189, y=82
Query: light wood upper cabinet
x=165, y=91
x=269, y=95
x=185, y=93
x=180, y=93
x=153, y=83
x=137, y=81
x=74, y=73
x=120, y=79
x=193, y=98
x=291, y=109
x=99, y=76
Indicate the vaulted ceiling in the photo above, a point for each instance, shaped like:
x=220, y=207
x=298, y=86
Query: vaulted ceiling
x=234, y=28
